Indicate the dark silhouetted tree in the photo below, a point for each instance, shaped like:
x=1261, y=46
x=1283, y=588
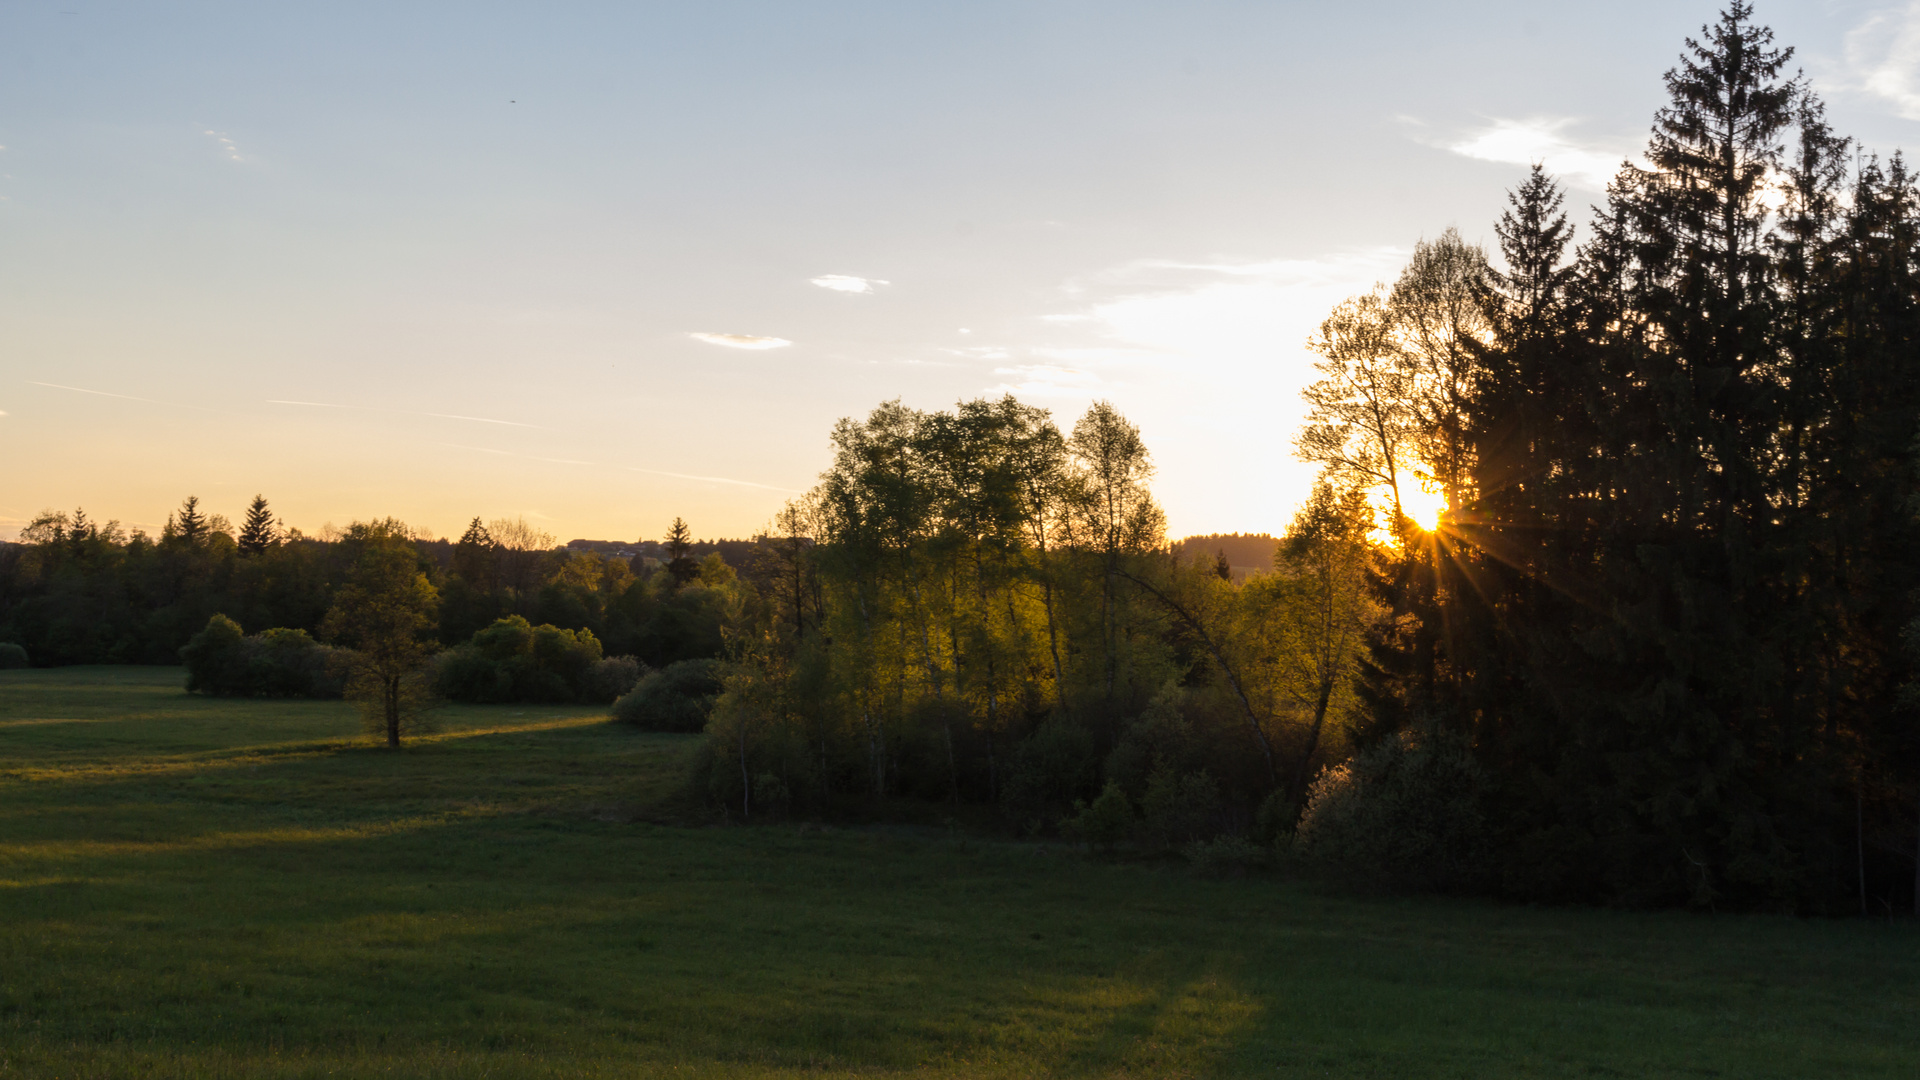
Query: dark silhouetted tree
x=257, y=532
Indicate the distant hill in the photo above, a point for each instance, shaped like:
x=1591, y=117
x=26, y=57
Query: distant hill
x=1248, y=553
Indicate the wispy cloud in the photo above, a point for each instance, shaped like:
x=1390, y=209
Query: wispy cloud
x=741, y=341
x=227, y=148
x=1221, y=312
x=122, y=397
x=847, y=283
x=1047, y=380
x=401, y=412
x=711, y=479
x=1545, y=140
x=509, y=453
x=1883, y=58
x=95, y=393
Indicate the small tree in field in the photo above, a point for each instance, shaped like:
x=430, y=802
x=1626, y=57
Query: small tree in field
x=384, y=612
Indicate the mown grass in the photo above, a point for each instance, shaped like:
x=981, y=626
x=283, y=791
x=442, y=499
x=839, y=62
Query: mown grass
x=197, y=888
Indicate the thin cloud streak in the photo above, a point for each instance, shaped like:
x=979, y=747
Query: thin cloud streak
x=711, y=479
x=402, y=412
x=123, y=397
x=96, y=393
x=509, y=453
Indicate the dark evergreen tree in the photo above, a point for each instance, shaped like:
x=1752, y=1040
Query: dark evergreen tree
x=257, y=533
x=187, y=525
x=679, y=542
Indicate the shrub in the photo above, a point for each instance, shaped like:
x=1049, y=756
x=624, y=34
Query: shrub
x=770, y=796
x=12, y=656
x=513, y=660
x=1051, y=768
x=279, y=662
x=1161, y=738
x=1180, y=808
x=1103, y=823
x=678, y=697
x=212, y=656
x=609, y=679
x=1406, y=812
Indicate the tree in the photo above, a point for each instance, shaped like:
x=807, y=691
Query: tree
x=383, y=612
x=257, y=533
x=1116, y=513
x=1322, y=581
x=1360, y=425
x=518, y=547
x=679, y=541
x=1439, y=320
x=188, y=524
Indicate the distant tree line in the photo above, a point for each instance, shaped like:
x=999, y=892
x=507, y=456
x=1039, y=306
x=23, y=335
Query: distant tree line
x=74, y=590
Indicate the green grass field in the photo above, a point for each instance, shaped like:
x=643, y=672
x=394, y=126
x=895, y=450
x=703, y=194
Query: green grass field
x=199, y=888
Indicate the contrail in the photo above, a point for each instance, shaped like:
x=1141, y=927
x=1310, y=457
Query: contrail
x=123, y=397
x=712, y=479
x=402, y=412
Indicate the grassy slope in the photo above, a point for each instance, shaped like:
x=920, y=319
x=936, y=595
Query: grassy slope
x=223, y=888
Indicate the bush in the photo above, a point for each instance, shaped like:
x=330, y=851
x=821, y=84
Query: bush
x=513, y=660
x=770, y=796
x=1180, y=808
x=1161, y=738
x=280, y=662
x=12, y=656
x=1103, y=823
x=611, y=678
x=1051, y=768
x=678, y=697
x=1407, y=812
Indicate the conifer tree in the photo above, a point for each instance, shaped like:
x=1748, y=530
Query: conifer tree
x=257, y=532
x=678, y=542
x=188, y=524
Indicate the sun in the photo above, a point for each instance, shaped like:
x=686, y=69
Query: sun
x=1422, y=501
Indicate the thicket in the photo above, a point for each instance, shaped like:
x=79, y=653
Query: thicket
x=223, y=661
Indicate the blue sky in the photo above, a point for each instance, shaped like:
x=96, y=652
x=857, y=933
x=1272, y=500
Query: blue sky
x=439, y=261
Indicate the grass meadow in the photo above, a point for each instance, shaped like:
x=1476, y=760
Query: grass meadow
x=220, y=888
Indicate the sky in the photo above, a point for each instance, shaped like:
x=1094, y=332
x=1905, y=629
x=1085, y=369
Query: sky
x=601, y=265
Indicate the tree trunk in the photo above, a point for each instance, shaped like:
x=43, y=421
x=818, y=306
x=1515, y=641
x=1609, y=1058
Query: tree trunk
x=1298, y=785
x=1860, y=844
x=1219, y=657
x=746, y=782
x=390, y=699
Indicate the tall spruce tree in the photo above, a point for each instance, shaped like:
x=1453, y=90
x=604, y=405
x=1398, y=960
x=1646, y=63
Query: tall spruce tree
x=257, y=532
